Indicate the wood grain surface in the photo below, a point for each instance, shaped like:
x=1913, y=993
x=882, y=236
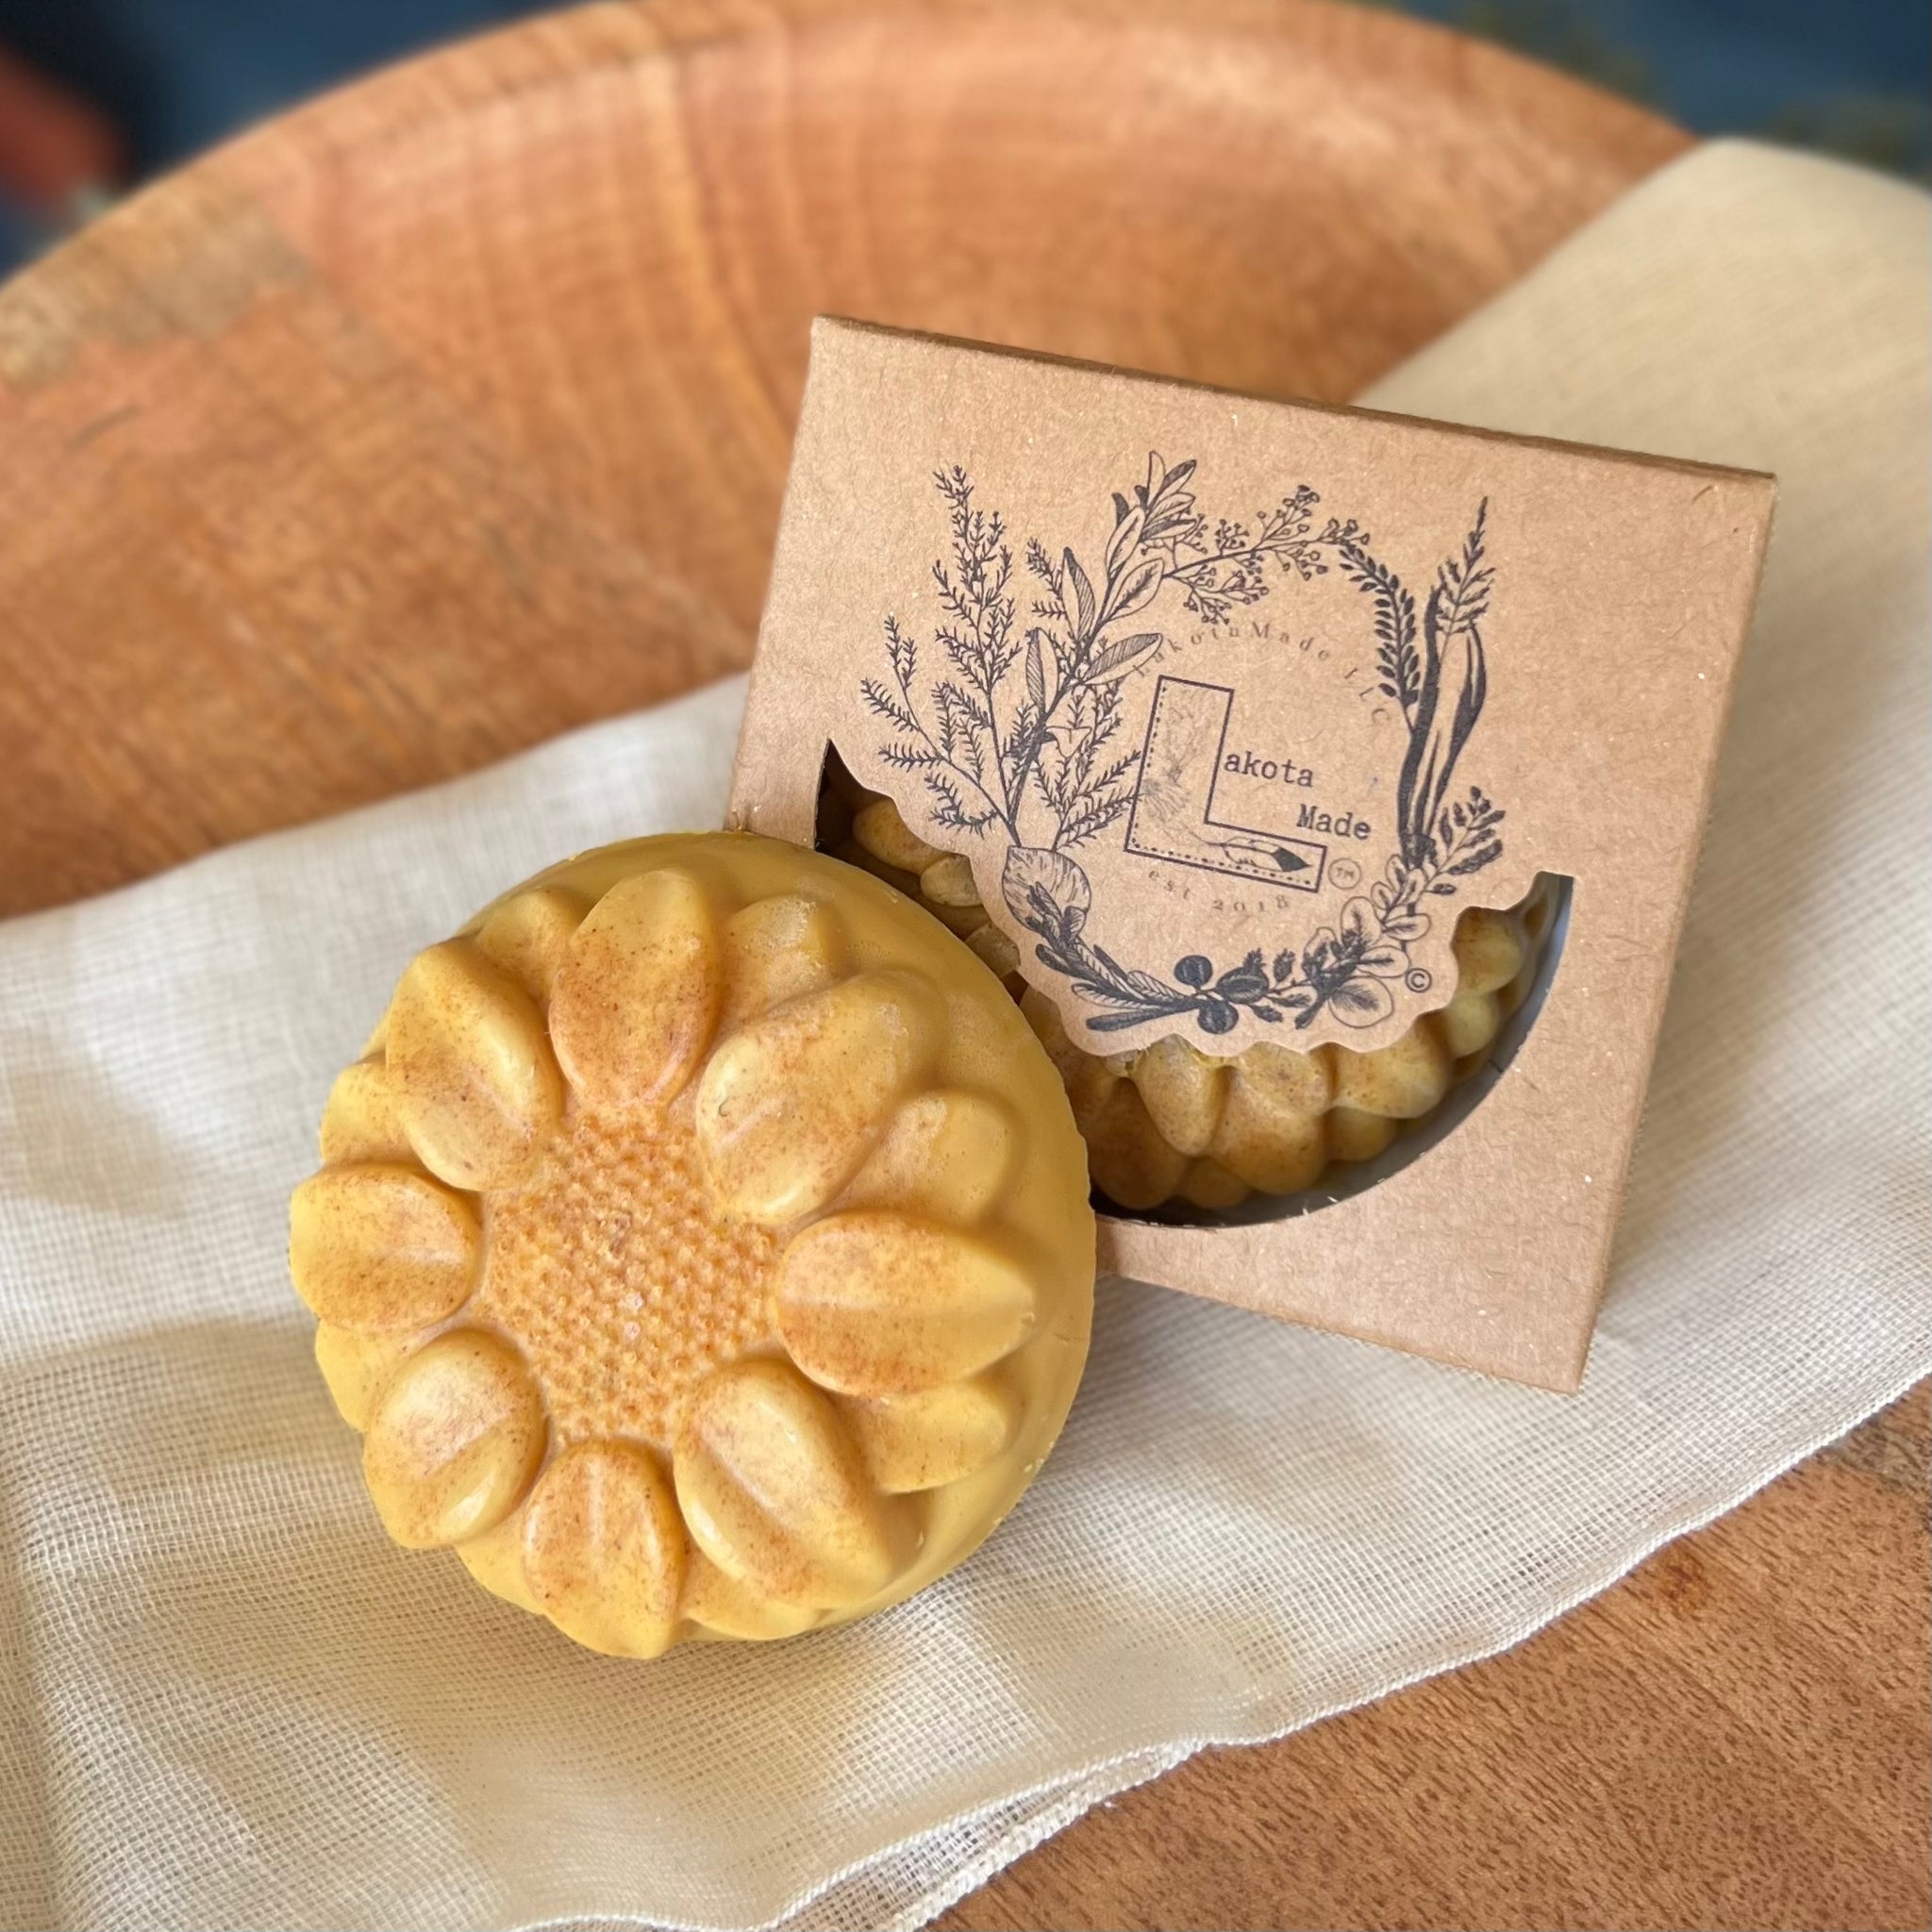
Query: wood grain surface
x=1737, y=1736
x=452, y=410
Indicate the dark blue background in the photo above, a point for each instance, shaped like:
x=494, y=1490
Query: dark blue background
x=1848, y=75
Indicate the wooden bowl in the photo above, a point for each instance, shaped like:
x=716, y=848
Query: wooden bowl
x=452, y=410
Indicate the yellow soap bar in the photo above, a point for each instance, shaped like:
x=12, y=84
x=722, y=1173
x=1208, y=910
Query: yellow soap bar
x=1170, y=1123
x=702, y=1246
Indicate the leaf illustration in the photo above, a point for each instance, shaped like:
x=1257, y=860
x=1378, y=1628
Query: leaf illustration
x=1127, y=534
x=1157, y=475
x=1122, y=657
x=1081, y=618
x=1036, y=672
x=1387, y=962
x=1449, y=700
x=1361, y=1002
x=1127, y=981
x=879, y=700
x=1247, y=981
x=1136, y=589
x=1031, y=869
x=1359, y=921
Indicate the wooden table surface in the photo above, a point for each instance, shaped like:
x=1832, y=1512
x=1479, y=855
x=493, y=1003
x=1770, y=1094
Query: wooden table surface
x=452, y=411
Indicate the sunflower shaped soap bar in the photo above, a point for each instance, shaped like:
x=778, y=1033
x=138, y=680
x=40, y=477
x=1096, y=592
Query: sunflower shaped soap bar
x=702, y=1246
x=1171, y=1122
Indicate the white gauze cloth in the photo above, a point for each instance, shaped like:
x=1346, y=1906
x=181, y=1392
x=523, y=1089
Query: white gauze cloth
x=225, y=1698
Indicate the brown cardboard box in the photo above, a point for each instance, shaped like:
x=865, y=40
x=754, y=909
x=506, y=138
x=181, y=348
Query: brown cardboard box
x=1269, y=707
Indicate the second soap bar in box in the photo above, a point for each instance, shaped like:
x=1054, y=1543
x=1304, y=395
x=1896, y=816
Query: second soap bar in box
x=1326, y=785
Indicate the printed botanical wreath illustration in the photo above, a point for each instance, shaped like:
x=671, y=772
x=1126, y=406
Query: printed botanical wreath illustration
x=1015, y=734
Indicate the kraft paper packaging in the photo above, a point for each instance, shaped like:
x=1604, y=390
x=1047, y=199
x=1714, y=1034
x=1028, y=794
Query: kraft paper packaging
x=1234, y=708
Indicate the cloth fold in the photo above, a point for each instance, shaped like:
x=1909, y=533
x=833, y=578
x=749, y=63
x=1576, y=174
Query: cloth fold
x=225, y=1698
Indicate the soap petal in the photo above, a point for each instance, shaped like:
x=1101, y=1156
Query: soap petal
x=945, y=1155
x=948, y=881
x=362, y=1120
x=475, y=1082
x=876, y=1304
x=926, y=1441
x=1130, y=1161
x=636, y=1000
x=999, y=952
x=1488, y=950
x=1272, y=1146
x=1208, y=1184
x=528, y=935
x=495, y=1560
x=1469, y=1022
x=355, y=1367
x=1354, y=1136
x=1185, y=1091
x=454, y=1440
x=1089, y=1079
x=777, y=950
x=1401, y=1082
x=729, y=1608
x=1271, y=1136
x=603, y=1549
x=853, y=853
x=772, y=1490
x=883, y=833
x=793, y=1103
x=1538, y=911
x=964, y=921
x=1287, y=1081
x=379, y=1248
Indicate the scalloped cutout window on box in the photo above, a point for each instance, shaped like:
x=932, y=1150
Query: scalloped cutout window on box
x=1193, y=1141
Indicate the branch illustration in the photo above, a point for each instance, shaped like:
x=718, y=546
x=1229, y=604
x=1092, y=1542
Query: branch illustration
x=1016, y=719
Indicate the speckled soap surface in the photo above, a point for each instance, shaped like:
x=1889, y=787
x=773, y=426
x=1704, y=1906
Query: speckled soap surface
x=702, y=1246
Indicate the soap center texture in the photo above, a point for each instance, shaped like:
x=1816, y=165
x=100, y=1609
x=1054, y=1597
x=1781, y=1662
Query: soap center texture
x=621, y=1279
